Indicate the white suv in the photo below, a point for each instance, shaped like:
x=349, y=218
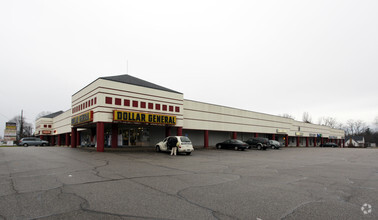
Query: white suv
x=185, y=145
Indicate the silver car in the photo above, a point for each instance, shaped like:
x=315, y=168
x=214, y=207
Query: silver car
x=274, y=144
x=32, y=141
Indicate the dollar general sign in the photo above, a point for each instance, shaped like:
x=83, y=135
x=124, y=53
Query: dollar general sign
x=143, y=117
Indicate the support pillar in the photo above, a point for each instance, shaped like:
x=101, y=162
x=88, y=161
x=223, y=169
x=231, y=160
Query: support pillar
x=273, y=137
x=206, y=139
x=67, y=139
x=343, y=143
x=297, y=141
x=59, y=140
x=93, y=132
x=73, y=137
x=100, y=136
x=114, y=135
x=78, y=143
x=234, y=135
x=306, y=141
x=314, y=141
x=52, y=143
x=286, y=140
x=256, y=135
x=179, y=131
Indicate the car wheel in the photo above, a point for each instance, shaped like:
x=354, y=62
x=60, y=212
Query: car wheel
x=273, y=147
x=44, y=145
x=258, y=147
x=188, y=153
x=236, y=148
x=25, y=145
x=219, y=146
x=157, y=149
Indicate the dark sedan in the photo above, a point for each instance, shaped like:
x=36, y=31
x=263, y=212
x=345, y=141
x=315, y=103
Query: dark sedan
x=329, y=144
x=232, y=144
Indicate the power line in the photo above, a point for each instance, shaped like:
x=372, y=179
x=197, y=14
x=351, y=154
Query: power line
x=4, y=116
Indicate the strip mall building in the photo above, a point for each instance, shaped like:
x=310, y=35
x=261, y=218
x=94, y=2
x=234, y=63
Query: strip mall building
x=126, y=111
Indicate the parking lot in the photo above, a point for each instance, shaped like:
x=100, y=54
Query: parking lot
x=291, y=183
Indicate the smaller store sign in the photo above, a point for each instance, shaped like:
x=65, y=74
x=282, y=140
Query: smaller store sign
x=298, y=134
x=83, y=118
x=281, y=131
x=46, y=132
x=140, y=117
x=10, y=132
x=313, y=135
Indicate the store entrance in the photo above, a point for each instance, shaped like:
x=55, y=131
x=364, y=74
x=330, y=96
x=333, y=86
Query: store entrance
x=134, y=136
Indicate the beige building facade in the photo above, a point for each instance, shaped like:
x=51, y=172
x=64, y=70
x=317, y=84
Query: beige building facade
x=125, y=111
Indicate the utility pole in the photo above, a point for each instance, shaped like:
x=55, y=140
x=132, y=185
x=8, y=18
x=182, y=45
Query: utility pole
x=22, y=125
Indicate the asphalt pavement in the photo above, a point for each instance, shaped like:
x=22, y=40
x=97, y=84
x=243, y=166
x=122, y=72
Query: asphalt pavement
x=291, y=183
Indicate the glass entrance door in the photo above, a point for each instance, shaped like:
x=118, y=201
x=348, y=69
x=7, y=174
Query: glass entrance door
x=135, y=136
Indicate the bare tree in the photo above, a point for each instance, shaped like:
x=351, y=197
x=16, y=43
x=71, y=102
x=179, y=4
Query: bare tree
x=286, y=115
x=330, y=122
x=355, y=127
x=306, y=117
x=41, y=114
x=339, y=125
x=24, y=128
x=349, y=127
x=360, y=127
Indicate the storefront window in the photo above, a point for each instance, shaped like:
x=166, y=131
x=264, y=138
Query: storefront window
x=137, y=136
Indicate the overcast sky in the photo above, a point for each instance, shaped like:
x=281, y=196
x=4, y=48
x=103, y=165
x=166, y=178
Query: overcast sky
x=274, y=57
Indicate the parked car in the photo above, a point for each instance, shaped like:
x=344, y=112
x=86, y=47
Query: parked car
x=185, y=145
x=274, y=144
x=329, y=144
x=258, y=142
x=233, y=144
x=32, y=141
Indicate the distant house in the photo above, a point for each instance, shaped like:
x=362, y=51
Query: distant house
x=355, y=141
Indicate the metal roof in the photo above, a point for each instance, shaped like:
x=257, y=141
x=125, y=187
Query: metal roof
x=136, y=81
x=52, y=115
x=355, y=138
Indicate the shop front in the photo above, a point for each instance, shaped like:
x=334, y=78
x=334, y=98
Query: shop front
x=124, y=111
x=127, y=129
